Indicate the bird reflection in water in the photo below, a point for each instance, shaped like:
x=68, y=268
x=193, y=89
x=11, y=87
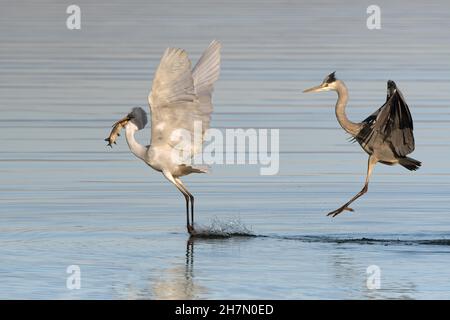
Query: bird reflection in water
x=179, y=282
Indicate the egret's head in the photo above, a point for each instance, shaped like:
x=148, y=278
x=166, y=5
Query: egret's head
x=329, y=83
x=138, y=117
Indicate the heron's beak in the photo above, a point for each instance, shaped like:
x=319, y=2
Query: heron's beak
x=318, y=88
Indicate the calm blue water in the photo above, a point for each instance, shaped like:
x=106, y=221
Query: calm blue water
x=66, y=199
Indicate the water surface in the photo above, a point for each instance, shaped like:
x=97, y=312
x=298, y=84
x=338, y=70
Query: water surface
x=67, y=199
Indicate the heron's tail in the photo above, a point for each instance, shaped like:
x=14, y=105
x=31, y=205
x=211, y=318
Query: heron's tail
x=410, y=163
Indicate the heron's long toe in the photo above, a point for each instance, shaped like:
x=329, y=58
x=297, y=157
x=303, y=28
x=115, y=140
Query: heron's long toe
x=338, y=211
x=334, y=213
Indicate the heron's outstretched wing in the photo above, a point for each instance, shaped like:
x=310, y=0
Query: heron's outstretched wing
x=391, y=90
x=392, y=123
x=177, y=106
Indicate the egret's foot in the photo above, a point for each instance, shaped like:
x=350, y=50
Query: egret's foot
x=340, y=210
x=191, y=230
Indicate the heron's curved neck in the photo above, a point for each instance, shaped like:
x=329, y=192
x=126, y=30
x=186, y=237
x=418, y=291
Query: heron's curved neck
x=136, y=148
x=346, y=124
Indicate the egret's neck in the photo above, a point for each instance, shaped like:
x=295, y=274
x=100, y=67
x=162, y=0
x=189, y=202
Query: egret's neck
x=349, y=126
x=136, y=148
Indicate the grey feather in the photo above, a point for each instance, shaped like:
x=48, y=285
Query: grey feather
x=392, y=123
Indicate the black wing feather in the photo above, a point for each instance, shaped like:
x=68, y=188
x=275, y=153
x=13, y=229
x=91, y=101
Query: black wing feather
x=393, y=123
x=366, y=131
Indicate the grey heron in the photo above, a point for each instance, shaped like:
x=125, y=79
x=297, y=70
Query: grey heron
x=386, y=135
x=180, y=98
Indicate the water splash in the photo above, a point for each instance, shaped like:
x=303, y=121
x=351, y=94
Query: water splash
x=220, y=228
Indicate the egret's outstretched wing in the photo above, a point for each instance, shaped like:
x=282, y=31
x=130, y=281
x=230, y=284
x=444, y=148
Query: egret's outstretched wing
x=172, y=100
x=177, y=106
x=392, y=122
x=205, y=74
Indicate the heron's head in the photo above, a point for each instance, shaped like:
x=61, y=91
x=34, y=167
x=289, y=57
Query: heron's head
x=138, y=117
x=329, y=83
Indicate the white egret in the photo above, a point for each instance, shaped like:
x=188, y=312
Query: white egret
x=180, y=97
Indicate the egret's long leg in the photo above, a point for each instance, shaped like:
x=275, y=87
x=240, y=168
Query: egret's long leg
x=191, y=197
x=179, y=186
x=192, y=209
x=370, y=165
x=186, y=197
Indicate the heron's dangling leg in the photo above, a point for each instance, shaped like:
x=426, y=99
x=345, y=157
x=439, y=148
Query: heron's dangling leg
x=191, y=197
x=179, y=186
x=371, y=164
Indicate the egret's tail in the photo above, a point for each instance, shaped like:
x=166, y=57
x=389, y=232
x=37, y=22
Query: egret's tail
x=200, y=169
x=197, y=169
x=410, y=163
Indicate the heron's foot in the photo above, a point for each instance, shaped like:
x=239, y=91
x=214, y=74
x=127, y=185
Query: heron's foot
x=340, y=210
x=191, y=230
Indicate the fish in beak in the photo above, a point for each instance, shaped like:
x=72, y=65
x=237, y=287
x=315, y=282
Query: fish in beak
x=115, y=132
